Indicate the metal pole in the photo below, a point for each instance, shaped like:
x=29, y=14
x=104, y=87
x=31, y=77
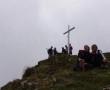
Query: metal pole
x=68, y=39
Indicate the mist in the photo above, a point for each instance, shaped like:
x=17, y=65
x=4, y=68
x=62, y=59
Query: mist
x=28, y=27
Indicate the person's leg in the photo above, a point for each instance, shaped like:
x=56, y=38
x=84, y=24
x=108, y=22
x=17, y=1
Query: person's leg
x=77, y=66
x=104, y=64
x=82, y=65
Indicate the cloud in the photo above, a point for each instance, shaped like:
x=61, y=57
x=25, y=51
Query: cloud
x=28, y=27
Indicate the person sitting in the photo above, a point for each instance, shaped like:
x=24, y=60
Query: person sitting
x=97, y=57
x=84, y=58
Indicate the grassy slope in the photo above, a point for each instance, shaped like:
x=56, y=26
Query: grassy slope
x=57, y=73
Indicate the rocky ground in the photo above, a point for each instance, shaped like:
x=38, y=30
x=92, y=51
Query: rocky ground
x=56, y=73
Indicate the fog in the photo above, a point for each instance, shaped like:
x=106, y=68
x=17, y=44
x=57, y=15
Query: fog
x=28, y=27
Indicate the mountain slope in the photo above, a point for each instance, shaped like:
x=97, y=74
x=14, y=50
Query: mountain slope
x=56, y=73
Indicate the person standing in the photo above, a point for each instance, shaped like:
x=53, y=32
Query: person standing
x=66, y=49
x=70, y=49
x=55, y=52
x=50, y=51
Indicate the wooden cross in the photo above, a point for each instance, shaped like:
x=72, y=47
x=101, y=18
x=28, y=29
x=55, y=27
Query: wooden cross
x=68, y=32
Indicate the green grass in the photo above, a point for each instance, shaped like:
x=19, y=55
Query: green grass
x=57, y=73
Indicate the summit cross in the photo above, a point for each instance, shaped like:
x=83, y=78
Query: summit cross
x=68, y=32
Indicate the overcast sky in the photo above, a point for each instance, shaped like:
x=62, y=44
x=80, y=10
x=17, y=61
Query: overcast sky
x=28, y=27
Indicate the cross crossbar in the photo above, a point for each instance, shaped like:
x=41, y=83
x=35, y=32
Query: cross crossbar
x=69, y=30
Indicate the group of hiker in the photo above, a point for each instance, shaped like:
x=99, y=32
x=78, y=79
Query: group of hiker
x=52, y=51
x=86, y=59
x=65, y=50
x=93, y=59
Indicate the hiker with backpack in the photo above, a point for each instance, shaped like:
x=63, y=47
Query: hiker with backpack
x=50, y=51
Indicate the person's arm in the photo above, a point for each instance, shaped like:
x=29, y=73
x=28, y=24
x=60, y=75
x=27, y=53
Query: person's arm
x=81, y=55
x=103, y=56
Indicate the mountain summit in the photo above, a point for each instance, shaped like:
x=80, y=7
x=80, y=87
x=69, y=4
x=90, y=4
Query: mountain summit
x=56, y=73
